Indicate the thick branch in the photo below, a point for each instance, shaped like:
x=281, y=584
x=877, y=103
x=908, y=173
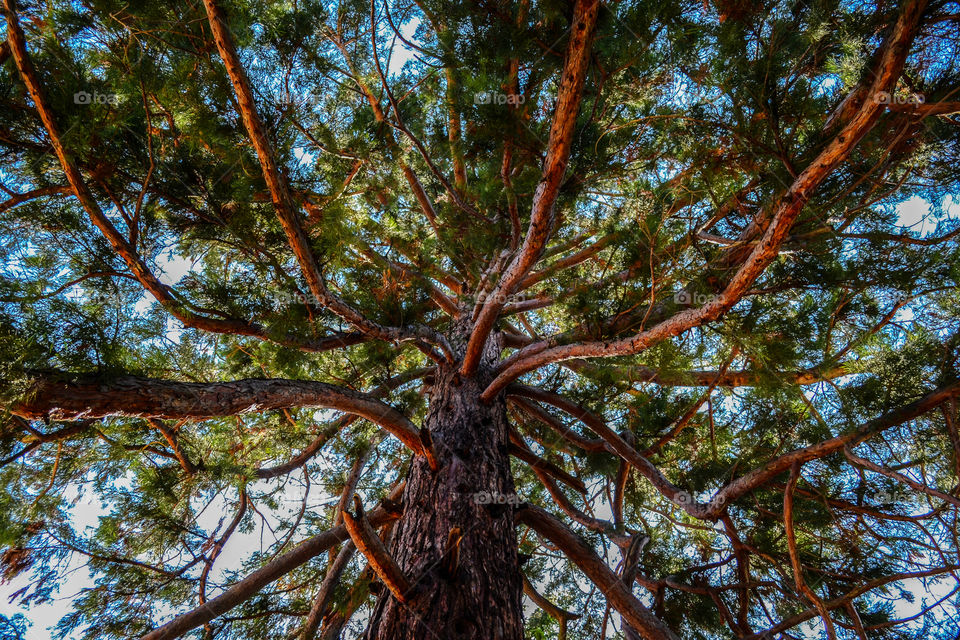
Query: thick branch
x=280, y=194
x=787, y=208
x=117, y=241
x=545, y=197
x=368, y=543
x=53, y=397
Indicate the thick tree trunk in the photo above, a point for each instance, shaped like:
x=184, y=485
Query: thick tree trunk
x=471, y=590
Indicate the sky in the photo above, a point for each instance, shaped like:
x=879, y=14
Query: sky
x=913, y=215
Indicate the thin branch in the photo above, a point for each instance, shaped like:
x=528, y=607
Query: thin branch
x=580, y=553
x=253, y=583
x=322, y=599
x=562, y=616
x=893, y=53
x=794, y=557
x=542, y=215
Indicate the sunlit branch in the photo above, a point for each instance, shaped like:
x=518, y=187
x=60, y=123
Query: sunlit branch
x=368, y=543
x=544, y=200
x=787, y=208
x=141, y=271
x=283, y=202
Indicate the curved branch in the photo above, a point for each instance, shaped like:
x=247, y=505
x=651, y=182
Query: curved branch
x=53, y=397
x=337, y=425
x=545, y=197
x=562, y=616
x=220, y=542
x=836, y=603
x=253, y=583
x=893, y=53
x=118, y=242
x=165, y=295
x=580, y=553
x=283, y=202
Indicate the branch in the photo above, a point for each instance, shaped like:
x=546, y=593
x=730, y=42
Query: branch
x=253, y=583
x=221, y=541
x=337, y=425
x=519, y=449
x=20, y=198
x=562, y=616
x=545, y=197
x=631, y=560
x=746, y=378
x=120, y=245
x=580, y=553
x=646, y=468
x=810, y=613
x=319, y=608
x=283, y=202
x=132, y=396
x=919, y=486
x=761, y=476
x=371, y=546
x=924, y=110
x=795, y=559
x=788, y=207
x=536, y=412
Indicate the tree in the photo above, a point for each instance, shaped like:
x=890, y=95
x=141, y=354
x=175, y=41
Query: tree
x=607, y=304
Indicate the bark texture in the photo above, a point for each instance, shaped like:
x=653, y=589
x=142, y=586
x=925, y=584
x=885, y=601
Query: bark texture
x=471, y=589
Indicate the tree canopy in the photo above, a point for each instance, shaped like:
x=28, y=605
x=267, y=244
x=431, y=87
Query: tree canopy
x=241, y=238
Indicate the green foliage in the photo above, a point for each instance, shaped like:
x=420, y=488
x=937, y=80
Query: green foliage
x=696, y=118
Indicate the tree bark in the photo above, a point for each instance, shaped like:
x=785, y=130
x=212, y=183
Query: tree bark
x=469, y=589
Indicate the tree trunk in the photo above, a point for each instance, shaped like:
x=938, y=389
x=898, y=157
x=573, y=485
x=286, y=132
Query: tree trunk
x=471, y=590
